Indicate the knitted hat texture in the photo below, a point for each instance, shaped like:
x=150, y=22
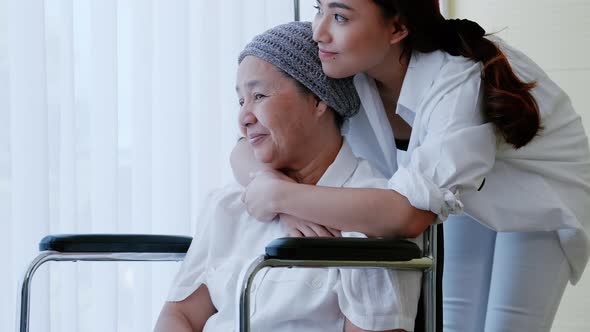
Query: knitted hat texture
x=291, y=48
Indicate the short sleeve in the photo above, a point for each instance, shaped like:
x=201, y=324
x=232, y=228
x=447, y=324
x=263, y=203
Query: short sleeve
x=456, y=147
x=195, y=266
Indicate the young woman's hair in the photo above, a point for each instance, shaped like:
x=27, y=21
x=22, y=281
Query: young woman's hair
x=508, y=102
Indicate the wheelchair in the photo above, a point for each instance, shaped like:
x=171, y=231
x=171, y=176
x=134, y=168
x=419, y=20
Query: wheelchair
x=283, y=252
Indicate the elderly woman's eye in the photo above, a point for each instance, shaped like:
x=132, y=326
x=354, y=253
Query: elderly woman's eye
x=258, y=96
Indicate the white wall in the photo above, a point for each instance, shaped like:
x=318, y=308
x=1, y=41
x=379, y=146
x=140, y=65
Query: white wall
x=556, y=34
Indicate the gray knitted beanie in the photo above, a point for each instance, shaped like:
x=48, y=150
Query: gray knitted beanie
x=291, y=48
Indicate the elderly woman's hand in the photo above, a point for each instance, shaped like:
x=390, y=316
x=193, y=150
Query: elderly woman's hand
x=260, y=191
x=296, y=227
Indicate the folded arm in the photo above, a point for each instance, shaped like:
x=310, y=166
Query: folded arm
x=374, y=212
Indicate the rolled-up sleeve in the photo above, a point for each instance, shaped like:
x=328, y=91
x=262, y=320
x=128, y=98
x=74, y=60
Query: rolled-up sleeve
x=456, y=148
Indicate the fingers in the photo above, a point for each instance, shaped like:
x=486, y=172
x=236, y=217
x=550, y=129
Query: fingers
x=320, y=230
x=294, y=233
x=296, y=227
x=334, y=232
x=306, y=230
x=314, y=230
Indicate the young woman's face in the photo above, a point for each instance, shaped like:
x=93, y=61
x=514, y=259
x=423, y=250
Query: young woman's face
x=275, y=116
x=352, y=36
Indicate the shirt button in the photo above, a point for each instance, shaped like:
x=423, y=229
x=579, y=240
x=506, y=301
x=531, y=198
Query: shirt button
x=316, y=283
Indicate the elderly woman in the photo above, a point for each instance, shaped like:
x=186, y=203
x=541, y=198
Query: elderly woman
x=290, y=113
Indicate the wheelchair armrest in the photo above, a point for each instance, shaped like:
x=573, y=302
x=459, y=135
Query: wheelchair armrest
x=116, y=243
x=363, y=249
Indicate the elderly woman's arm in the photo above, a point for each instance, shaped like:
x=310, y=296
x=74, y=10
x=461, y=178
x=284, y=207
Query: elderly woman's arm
x=188, y=315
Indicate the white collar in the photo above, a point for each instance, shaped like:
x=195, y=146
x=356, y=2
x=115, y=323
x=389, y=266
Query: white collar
x=341, y=169
x=422, y=71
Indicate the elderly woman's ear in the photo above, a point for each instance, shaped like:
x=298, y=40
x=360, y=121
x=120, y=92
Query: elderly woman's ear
x=321, y=108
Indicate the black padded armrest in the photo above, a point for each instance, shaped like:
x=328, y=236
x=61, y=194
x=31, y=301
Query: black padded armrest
x=116, y=243
x=319, y=248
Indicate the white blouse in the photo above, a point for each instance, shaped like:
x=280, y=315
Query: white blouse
x=544, y=186
x=292, y=300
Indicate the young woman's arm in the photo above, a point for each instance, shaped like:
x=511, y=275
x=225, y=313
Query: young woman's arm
x=243, y=162
x=374, y=212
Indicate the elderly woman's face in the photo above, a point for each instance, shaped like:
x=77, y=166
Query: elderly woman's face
x=275, y=116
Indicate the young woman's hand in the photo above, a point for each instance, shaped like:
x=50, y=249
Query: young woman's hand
x=260, y=194
x=296, y=227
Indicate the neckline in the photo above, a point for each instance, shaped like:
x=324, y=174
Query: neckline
x=402, y=144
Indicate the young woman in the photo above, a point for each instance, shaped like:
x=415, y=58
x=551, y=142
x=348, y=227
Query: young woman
x=494, y=147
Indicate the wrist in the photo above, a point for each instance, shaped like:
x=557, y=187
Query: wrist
x=279, y=195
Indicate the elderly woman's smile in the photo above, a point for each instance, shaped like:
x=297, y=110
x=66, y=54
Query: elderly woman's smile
x=276, y=117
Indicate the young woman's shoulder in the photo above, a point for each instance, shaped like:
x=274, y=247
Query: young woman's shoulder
x=458, y=68
x=549, y=95
x=450, y=75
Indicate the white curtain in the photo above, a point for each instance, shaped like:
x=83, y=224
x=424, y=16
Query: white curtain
x=116, y=116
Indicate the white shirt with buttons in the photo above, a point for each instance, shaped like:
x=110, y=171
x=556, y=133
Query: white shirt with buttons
x=544, y=186
x=294, y=299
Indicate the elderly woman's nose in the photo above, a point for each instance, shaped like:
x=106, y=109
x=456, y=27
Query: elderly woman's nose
x=247, y=118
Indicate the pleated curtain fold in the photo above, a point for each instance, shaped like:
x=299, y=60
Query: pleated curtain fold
x=116, y=116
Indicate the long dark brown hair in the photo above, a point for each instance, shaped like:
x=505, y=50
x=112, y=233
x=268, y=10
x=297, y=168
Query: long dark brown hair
x=507, y=100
